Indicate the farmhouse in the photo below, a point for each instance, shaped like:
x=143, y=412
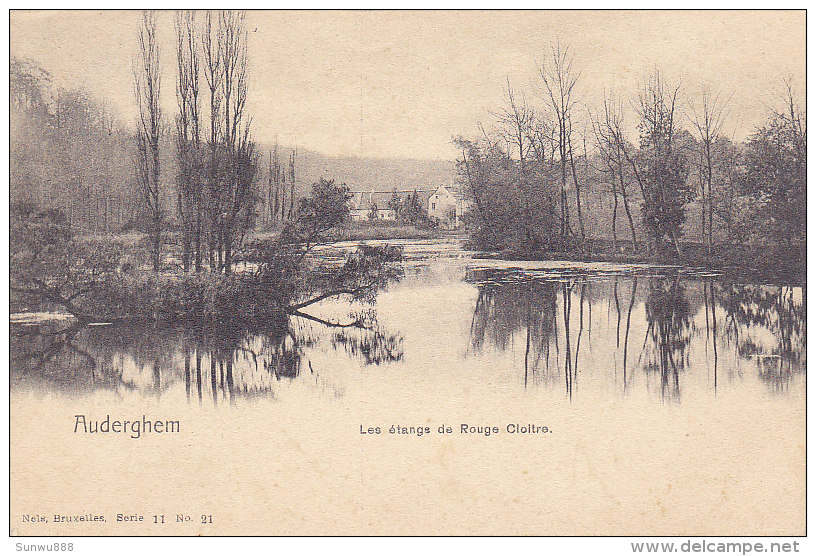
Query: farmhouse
x=448, y=204
x=371, y=205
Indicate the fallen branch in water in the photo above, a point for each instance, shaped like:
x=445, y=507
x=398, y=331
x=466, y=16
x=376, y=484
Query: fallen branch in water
x=53, y=295
x=333, y=293
x=355, y=324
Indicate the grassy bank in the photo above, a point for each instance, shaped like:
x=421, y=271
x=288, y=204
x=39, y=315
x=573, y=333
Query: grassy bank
x=351, y=231
x=354, y=231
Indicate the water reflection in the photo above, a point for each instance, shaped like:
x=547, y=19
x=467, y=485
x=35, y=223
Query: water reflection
x=666, y=350
x=778, y=310
x=687, y=325
x=553, y=330
x=216, y=364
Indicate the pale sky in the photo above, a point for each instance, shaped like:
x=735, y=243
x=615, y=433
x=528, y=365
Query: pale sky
x=401, y=84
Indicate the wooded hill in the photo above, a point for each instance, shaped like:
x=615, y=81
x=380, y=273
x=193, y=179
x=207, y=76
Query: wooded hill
x=70, y=151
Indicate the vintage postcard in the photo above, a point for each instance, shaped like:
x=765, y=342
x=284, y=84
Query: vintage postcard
x=413, y=273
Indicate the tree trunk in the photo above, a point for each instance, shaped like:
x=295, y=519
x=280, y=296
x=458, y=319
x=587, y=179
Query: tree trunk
x=703, y=205
x=156, y=244
x=676, y=244
x=197, y=235
x=577, y=197
x=564, y=207
x=228, y=251
x=626, y=209
x=710, y=216
x=614, y=217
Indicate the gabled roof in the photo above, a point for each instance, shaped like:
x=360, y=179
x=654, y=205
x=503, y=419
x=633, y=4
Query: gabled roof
x=364, y=199
x=455, y=191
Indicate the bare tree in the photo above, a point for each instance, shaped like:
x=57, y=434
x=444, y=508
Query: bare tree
x=558, y=79
x=660, y=167
x=239, y=149
x=516, y=121
x=281, y=177
x=188, y=138
x=147, y=79
x=278, y=179
x=708, y=121
x=292, y=183
x=212, y=42
x=795, y=119
x=272, y=186
x=541, y=138
x=608, y=128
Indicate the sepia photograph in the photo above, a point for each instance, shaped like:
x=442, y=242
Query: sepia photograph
x=408, y=273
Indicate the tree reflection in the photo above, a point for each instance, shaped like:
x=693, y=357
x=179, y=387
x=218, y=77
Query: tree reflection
x=220, y=363
x=511, y=305
x=628, y=328
x=506, y=308
x=544, y=320
x=669, y=328
x=549, y=314
x=780, y=310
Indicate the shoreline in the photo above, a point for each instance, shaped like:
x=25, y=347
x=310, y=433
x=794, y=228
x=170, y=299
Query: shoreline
x=728, y=260
x=791, y=271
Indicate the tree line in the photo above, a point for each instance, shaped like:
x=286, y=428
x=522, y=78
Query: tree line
x=69, y=151
x=193, y=175
x=547, y=164
x=218, y=161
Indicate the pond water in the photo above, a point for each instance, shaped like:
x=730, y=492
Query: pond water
x=674, y=400
x=455, y=324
